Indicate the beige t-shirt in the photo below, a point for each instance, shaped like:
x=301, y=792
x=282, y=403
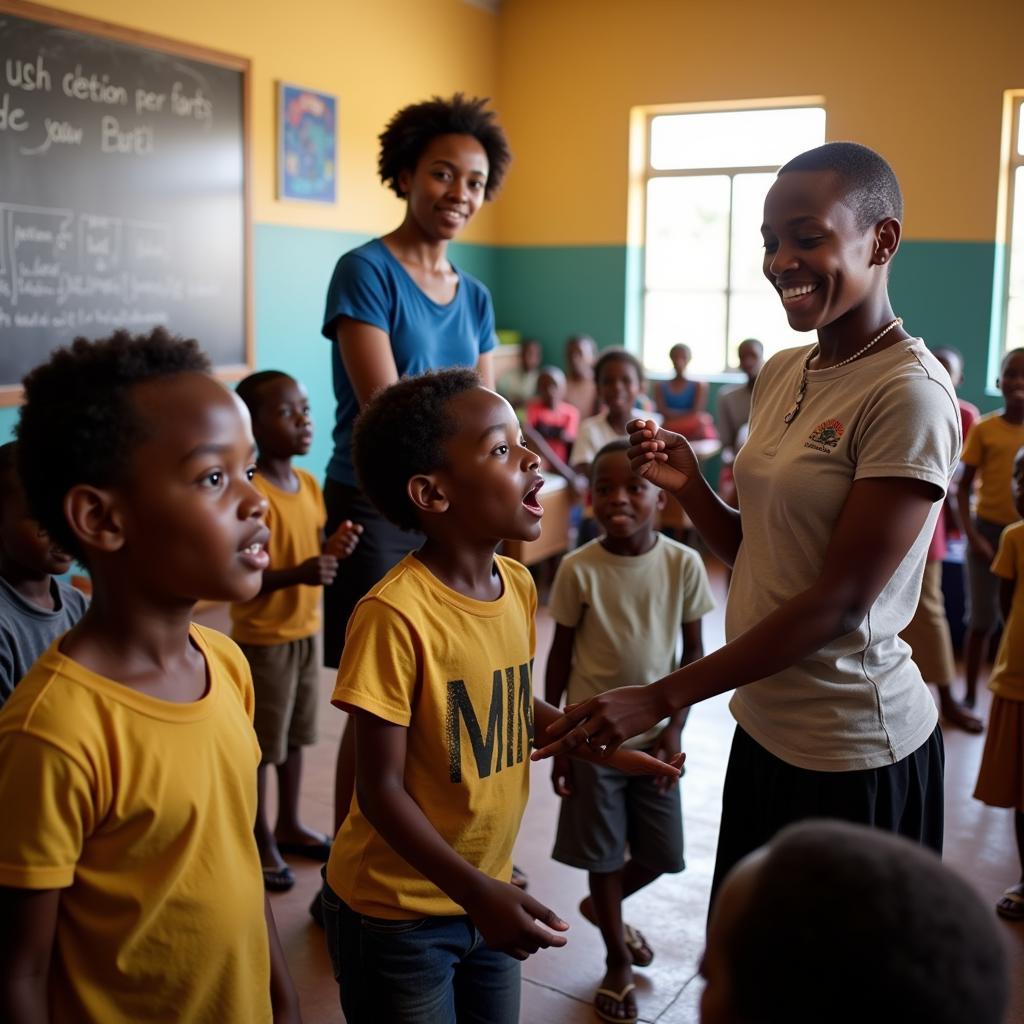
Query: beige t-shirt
x=859, y=702
x=627, y=612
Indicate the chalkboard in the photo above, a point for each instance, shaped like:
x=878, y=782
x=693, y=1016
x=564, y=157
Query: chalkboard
x=123, y=189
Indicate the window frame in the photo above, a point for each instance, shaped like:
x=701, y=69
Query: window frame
x=644, y=172
x=1012, y=161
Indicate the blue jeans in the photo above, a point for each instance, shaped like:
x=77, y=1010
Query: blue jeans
x=431, y=970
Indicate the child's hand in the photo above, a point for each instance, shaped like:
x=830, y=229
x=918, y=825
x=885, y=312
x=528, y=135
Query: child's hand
x=637, y=762
x=319, y=571
x=560, y=775
x=513, y=922
x=666, y=747
x=343, y=541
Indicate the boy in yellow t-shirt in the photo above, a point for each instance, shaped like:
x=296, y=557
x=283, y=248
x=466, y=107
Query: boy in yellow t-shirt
x=279, y=629
x=1001, y=775
x=989, y=451
x=131, y=882
x=421, y=920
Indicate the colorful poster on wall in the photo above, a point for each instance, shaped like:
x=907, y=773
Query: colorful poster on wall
x=306, y=159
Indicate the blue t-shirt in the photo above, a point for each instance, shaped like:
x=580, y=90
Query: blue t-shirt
x=370, y=285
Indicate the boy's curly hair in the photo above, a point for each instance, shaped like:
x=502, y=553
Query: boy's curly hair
x=411, y=130
x=401, y=433
x=78, y=423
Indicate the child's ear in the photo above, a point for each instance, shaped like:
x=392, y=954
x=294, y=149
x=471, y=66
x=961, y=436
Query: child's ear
x=94, y=517
x=887, y=240
x=662, y=500
x=427, y=494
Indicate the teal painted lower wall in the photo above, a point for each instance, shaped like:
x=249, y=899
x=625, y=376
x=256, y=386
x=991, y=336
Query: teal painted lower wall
x=942, y=289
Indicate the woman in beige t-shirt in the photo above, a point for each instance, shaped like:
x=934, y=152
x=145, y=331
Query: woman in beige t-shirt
x=852, y=444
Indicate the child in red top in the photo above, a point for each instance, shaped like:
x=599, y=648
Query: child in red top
x=550, y=416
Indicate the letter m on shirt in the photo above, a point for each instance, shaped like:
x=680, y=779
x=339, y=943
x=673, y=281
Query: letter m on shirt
x=509, y=725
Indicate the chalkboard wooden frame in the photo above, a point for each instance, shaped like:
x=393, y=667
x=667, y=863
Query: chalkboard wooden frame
x=11, y=393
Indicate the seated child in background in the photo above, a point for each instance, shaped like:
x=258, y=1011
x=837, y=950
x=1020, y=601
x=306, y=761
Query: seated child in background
x=580, y=389
x=422, y=924
x=619, y=604
x=550, y=426
x=620, y=379
x=732, y=414
x=839, y=923
x=989, y=450
x=1001, y=775
x=132, y=886
x=519, y=385
x=35, y=606
x=682, y=402
x=279, y=629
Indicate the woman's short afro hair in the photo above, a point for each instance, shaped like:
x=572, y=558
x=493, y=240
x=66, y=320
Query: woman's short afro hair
x=401, y=433
x=411, y=130
x=78, y=423
x=870, y=185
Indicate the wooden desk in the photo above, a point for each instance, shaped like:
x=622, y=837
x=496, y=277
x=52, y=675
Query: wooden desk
x=557, y=501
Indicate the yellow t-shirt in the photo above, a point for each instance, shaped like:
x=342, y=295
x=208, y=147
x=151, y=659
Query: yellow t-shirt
x=141, y=812
x=991, y=446
x=296, y=522
x=457, y=674
x=1007, y=679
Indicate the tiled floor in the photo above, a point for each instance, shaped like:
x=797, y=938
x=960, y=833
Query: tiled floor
x=559, y=984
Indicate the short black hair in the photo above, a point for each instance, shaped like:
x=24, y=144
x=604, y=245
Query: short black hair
x=752, y=341
x=411, y=130
x=9, y=482
x=248, y=389
x=78, y=423
x=620, y=444
x=870, y=185
x=1009, y=355
x=845, y=920
x=681, y=346
x=401, y=433
x=611, y=355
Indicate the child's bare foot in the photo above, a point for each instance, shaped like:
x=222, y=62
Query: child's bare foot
x=639, y=950
x=300, y=841
x=614, y=1000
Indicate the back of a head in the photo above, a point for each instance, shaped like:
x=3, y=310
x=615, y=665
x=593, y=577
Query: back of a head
x=78, y=423
x=869, y=183
x=847, y=924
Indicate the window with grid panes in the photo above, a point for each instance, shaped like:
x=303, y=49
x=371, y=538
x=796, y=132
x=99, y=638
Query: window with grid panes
x=706, y=179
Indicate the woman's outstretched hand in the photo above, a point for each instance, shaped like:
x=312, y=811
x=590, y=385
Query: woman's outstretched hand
x=664, y=458
x=604, y=722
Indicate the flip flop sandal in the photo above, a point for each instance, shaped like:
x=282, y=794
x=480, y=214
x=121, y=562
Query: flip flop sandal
x=278, y=880
x=1015, y=912
x=619, y=999
x=639, y=950
x=318, y=850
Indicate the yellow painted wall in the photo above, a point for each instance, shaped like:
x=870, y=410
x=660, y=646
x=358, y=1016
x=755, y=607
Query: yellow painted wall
x=922, y=82
x=374, y=55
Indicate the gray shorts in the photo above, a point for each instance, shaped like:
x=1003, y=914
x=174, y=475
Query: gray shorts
x=609, y=812
x=982, y=612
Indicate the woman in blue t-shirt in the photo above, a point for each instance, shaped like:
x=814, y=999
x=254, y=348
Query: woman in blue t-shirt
x=396, y=306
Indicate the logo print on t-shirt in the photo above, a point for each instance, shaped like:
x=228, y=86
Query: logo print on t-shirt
x=509, y=723
x=825, y=436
